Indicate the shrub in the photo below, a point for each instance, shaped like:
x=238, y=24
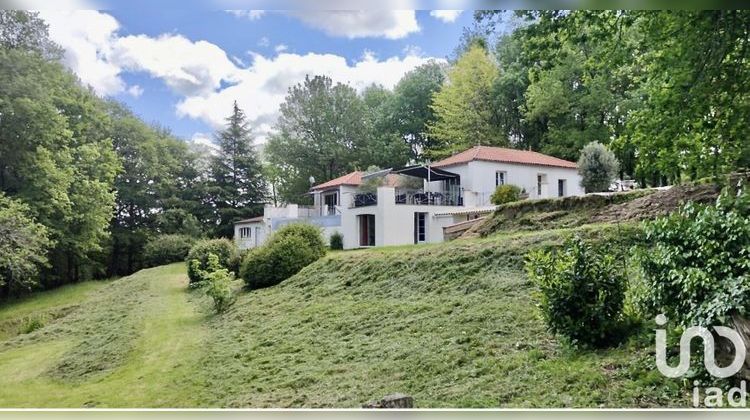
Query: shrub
x=224, y=250
x=277, y=261
x=697, y=270
x=581, y=292
x=217, y=283
x=505, y=194
x=337, y=241
x=167, y=249
x=310, y=234
x=598, y=167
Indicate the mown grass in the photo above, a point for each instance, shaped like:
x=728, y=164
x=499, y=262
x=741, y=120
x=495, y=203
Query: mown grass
x=453, y=325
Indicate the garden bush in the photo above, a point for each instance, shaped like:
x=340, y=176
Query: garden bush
x=697, y=268
x=166, y=249
x=216, y=283
x=505, y=194
x=277, y=261
x=598, y=167
x=310, y=234
x=224, y=250
x=581, y=292
x=337, y=241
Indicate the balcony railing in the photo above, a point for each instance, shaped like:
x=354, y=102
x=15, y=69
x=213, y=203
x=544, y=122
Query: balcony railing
x=365, y=199
x=428, y=198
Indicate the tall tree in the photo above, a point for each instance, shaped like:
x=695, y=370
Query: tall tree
x=385, y=146
x=321, y=128
x=410, y=107
x=463, y=108
x=238, y=189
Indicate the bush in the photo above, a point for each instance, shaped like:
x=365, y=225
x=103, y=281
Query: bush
x=310, y=234
x=505, y=194
x=166, y=249
x=224, y=250
x=697, y=270
x=598, y=167
x=275, y=262
x=217, y=283
x=337, y=241
x=581, y=292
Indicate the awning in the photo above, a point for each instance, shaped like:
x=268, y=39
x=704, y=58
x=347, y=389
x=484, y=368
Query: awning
x=425, y=172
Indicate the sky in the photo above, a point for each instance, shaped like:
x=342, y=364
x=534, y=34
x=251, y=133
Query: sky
x=183, y=69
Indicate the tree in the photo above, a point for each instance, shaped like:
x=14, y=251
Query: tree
x=463, y=108
x=23, y=247
x=25, y=31
x=598, y=167
x=385, y=146
x=238, y=189
x=321, y=128
x=410, y=107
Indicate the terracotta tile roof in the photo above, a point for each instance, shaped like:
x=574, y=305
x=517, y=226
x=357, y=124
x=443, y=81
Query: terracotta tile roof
x=353, y=179
x=500, y=154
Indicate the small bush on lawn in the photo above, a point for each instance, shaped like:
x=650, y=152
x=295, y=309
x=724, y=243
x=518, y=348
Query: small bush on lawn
x=505, y=194
x=697, y=269
x=224, y=250
x=337, y=241
x=581, y=292
x=167, y=249
x=310, y=234
x=217, y=283
x=277, y=261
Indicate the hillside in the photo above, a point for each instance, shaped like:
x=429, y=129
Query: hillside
x=451, y=324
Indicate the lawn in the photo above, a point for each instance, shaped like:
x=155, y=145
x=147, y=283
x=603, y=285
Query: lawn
x=453, y=325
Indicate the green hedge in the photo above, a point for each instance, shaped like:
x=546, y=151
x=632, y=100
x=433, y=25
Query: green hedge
x=167, y=249
x=224, y=250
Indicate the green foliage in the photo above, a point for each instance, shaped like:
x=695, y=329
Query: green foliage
x=505, y=194
x=216, y=283
x=197, y=258
x=238, y=189
x=337, y=241
x=697, y=267
x=463, y=107
x=581, y=291
x=598, y=167
x=23, y=248
x=178, y=222
x=289, y=250
x=167, y=249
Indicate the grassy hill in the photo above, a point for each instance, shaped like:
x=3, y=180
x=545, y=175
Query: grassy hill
x=453, y=325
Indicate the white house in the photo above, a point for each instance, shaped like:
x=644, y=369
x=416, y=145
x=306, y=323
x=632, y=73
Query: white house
x=453, y=190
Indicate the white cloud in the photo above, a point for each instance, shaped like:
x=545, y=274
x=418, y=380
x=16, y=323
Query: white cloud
x=446, y=16
x=249, y=14
x=263, y=86
x=189, y=68
x=281, y=48
x=87, y=37
x=135, y=91
x=264, y=42
x=205, y=77
x=391, y=24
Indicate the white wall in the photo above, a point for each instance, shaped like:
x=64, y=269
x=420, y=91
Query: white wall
x=251, y=241
x=478, y=180
x=394, y=223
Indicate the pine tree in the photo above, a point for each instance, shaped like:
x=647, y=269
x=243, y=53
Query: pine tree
x=238, y=188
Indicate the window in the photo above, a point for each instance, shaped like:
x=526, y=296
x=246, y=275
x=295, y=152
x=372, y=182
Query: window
x=244, y=232
x=500, y=178
x=541, y=181
x=561, y=190
x=330, y=202
x=420, y=227
x=366, y=229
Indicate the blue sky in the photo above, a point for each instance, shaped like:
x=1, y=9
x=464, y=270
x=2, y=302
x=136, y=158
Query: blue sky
x=183, y=68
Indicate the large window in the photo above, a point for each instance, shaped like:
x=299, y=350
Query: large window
x=244, y=232
x=420, y=227
x=366, y=229
x=500, y=177
x=330, y=201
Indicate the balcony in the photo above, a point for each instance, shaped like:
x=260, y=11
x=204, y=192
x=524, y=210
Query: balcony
x=429, y=198
x=365, y=199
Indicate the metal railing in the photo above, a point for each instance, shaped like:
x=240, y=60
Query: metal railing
x=428, y=198
x=365, y=199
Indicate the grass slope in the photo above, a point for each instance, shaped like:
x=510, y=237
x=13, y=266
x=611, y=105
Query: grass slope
x=453, y=324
